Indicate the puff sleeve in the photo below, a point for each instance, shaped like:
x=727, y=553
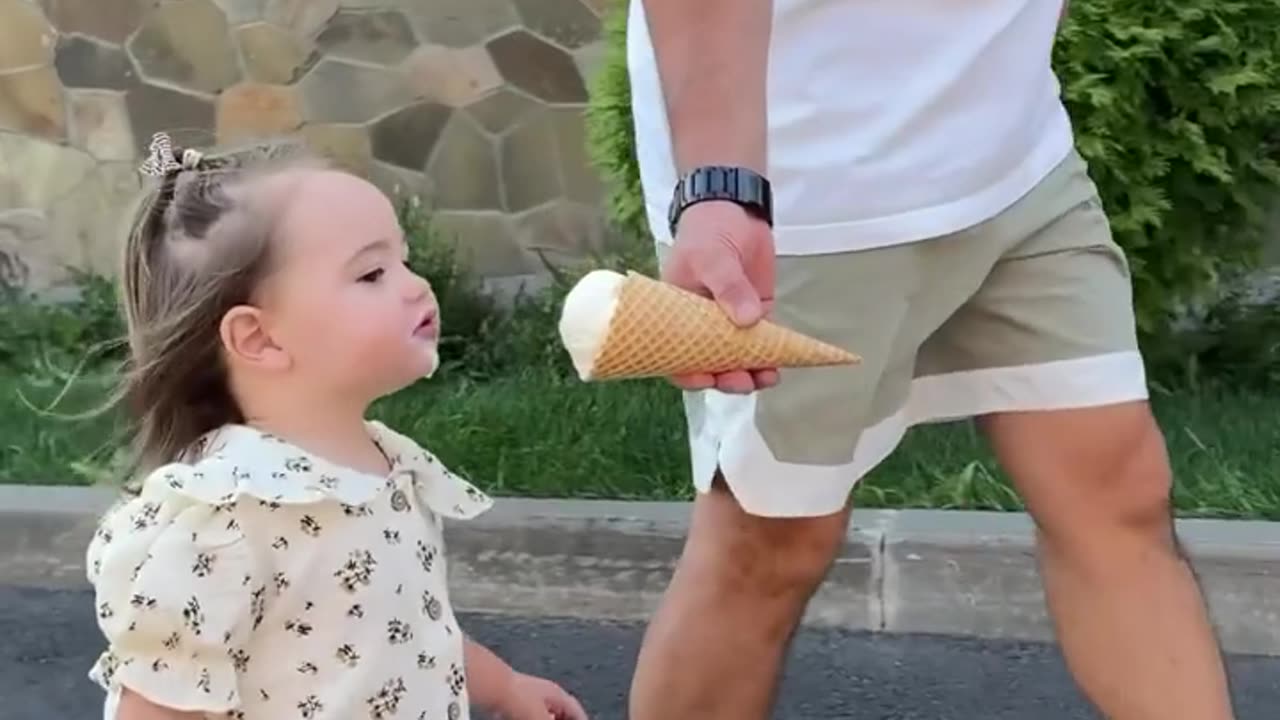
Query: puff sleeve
x=177, y=596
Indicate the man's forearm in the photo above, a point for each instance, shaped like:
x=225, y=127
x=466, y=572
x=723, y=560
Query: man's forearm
x=713, y=58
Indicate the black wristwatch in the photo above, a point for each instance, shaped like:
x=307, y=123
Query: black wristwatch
x=717, y=182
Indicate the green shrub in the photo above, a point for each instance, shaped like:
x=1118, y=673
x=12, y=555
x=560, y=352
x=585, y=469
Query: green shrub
x=1176, y=107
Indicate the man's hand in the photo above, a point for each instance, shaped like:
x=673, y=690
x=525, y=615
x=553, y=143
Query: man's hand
x=724, y=253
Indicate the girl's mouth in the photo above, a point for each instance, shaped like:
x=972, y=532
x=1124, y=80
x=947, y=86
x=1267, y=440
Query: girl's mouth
x=428, y=327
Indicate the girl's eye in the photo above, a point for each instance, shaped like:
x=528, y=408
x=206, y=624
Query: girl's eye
x=372, y=276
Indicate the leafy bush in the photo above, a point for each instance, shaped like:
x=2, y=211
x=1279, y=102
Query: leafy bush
x=1176, y=107
x=40, y=333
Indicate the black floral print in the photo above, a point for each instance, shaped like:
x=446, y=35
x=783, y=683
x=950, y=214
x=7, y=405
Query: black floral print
x=310, y=526
x=173, y=641
x=399, y=501
x=426, y=556
x=431, y=606
x=239, y=659
x=308, y=668
x=298, y=464
x=280, y=543
x=426, y=662
x=391, y=536
x=105, y=612
x=457, y=679
x=348, y=656
x=258, y=606
x=298, y=627
x=357, y=570
x=203, y=565
x=356, y=510
x=398, y=632
x=146, y=516
x=281, y=582
x=193, y=615
x=310, y=707
x=140, y=601
x=356, y=611
x=387, y=700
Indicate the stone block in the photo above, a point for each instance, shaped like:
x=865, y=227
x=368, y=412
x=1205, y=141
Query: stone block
x=25, y=260
x=486, y=241
x=500, y=111
x=459, y=23
x=37, y=171
x=382, y=37
x=83, y=62
x=272, y=54
x=26, y=40
x=406, y=138
x=109, y=20
x=452, y=76
x=529, y=163
x=537, y=67
x=562, y=230
x=254, y=111
x=336, y=91
x=187, y=118
x=92, y=220
x=400, y=184
x=100, y=124
x=305, y=18
x=31, y=103
x=581, y=181
x=187, y=43
x=569, y=23
x=463, y=168
x=239, y=12
x=346, y=146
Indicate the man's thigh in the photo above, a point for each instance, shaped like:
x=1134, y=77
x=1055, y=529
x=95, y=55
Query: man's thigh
x=1048, y=344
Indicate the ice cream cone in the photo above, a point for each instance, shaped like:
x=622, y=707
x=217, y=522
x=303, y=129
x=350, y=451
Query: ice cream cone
x=660, y=330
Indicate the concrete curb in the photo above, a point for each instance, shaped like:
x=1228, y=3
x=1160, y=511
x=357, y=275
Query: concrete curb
x=966, y=573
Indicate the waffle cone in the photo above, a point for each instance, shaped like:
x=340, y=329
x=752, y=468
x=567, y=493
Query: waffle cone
x=660, y=330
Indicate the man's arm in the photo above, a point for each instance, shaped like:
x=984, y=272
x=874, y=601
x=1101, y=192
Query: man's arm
x=713, y=58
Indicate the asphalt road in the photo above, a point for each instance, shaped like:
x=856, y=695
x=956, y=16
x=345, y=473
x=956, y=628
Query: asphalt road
x=48, y=640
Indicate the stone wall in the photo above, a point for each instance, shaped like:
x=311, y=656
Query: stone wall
x=476, y=106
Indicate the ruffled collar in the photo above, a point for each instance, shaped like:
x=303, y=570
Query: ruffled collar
x=239, y=460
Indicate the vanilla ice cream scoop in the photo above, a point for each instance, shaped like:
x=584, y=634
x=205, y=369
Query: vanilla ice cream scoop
x=586, y=315
x=630, y=326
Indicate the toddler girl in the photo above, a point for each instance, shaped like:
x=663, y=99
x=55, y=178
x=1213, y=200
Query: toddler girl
x=283, y=556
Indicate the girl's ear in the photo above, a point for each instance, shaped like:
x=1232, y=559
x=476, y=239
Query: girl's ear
x=247, y=341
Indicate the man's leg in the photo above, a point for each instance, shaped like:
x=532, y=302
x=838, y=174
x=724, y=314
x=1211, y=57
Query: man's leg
x=1125, y=604
x=1045, y=352
x=776, y=469
x=716, y=645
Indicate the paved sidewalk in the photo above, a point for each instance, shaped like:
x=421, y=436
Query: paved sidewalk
x=51, y=639
x=961, y=573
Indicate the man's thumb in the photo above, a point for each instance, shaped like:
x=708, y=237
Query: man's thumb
x=729, y=285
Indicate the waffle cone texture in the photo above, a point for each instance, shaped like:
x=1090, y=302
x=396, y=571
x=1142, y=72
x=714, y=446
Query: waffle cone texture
x=660, y=330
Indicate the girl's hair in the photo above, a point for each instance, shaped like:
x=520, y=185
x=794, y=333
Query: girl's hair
x=198, y=244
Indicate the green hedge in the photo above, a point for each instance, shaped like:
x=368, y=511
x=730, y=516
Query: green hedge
x=1176, y=106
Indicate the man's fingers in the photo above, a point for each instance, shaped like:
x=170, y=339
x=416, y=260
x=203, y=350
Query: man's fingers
x=736, y=382
x=729, y=285
x=699, y=381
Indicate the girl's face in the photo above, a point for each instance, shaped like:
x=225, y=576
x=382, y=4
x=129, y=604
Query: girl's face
x=342, y=303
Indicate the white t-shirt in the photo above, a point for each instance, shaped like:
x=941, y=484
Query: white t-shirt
x=889, y=120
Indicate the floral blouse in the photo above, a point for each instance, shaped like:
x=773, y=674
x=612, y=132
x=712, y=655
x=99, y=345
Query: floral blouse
x=259, y=581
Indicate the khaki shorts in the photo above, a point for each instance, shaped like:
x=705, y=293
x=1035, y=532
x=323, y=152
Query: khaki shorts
x=1030, y=310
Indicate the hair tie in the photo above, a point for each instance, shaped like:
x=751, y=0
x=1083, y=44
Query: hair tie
x=161, y=161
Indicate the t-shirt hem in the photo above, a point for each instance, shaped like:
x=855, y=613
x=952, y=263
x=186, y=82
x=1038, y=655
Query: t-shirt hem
x=915, y=225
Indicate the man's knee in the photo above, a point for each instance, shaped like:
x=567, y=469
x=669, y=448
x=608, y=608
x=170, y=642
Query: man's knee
x=1090, y=473
x=764, y=558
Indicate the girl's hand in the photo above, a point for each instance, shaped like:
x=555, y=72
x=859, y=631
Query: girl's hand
x=534, y=698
